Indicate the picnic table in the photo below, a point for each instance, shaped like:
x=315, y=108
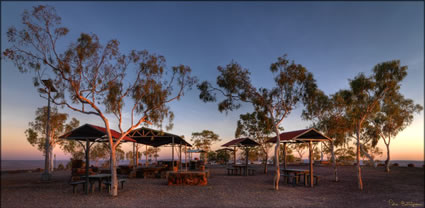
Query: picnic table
x=187, y=178
x=297, y=172
x=99, y=178
x=150, y=172
x=240, y=168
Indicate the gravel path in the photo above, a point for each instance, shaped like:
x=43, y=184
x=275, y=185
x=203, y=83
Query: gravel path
x=402, y=186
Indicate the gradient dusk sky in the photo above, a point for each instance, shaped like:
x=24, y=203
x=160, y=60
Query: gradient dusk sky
x=333, y=40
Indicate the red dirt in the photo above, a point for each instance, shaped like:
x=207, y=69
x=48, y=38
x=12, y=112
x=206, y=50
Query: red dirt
x=403, y=187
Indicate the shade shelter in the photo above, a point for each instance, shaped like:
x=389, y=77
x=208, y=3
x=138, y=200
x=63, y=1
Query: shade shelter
x=91, y=134
x=225, y=150
x=191, y=151
x=156, y=138
x=305, y=135
x=242, y=142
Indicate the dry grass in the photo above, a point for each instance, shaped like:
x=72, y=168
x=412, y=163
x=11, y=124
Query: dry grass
x=402, y=184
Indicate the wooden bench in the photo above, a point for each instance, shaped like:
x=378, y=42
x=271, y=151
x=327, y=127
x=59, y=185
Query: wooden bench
x=287, y=178
x=251, y=171
x=232, y=171
x=120, y=180
x=75, y=184
x=315, y=179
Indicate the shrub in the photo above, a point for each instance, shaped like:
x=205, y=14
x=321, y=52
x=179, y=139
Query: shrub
x=61, y=167
x=395, y=165
x=411, y=165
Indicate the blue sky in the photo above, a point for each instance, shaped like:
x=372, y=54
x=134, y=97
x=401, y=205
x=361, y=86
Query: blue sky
x=333, y=40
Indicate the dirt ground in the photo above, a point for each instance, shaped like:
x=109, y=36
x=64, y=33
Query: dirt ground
x=403, y=187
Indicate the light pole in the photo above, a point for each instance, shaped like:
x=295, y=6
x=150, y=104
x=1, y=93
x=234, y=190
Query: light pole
x=46, y=176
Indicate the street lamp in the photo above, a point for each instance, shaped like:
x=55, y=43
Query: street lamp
x=46, y=176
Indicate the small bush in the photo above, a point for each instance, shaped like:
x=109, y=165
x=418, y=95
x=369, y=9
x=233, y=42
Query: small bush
x=61, y=167
x=395, y=165
x=411, y=165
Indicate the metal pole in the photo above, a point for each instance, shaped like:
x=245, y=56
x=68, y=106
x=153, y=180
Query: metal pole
x=246, y=160
x=46, y=175
x=284, y=155
x=234, y=156
x=172, y=152
x=180, y=155
x=87, y=165
x=311, y=163
x=185, y=155
x=146, y=155
x=134, y=155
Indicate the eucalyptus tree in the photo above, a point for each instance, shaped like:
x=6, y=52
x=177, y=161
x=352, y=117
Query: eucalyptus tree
x=364, y=96
x=293, y=84
x=328, y=116
x=36, y=133
x=256, y=125
x=96, y=79
x=203, y=140
x=395, y=115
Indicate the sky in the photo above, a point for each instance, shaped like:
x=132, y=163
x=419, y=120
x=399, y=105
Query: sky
x=334, y=40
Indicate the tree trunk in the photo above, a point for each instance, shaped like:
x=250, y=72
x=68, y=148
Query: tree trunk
x=265, y=162
x=387, y=162
x=114, y=178
x=359, y=170
x=51, y=159
x=334, y=161
x=365, y=153
x=276, y=156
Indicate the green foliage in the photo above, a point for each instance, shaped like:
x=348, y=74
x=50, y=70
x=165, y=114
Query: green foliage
x=223, y=156
x=88, y=74
x=203, y=140
x=36, y=133
x=95, y=78
x=212, y=156
x=258, y=126
x=292, y=84
x=61, y=167
x=395, y=115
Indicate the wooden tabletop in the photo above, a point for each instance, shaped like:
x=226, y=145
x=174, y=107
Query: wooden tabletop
x=296, y=170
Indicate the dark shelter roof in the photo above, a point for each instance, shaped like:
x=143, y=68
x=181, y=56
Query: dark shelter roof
x=155, y=138
x=241, y=142
x=92, y=133
x=196, y=151
x=225, y=149
x=301, y=135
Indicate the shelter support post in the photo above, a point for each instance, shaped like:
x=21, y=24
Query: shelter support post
x=246, y=160
x=87, y=165
x=146, y=155
x=185, y=156
x=234, y=155
x=311, y=162
x=134, y=155
x=180, y=156
x=172, y=152
x=284, y=155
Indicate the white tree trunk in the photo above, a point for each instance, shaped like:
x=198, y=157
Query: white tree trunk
x=276, y=156
x=365, y=153
x=334, y=160
x=359, y=170
x=114, y=178
x=265, y=162
x=51, y=159
x=387, y=162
